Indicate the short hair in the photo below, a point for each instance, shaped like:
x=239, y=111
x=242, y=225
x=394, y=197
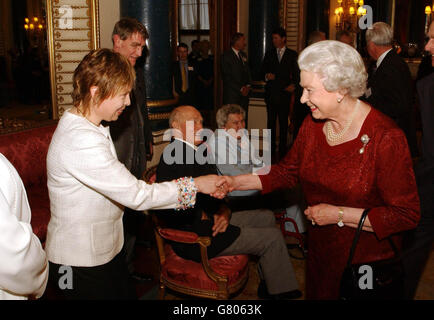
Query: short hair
x=339, y=65
x=125, y=27
x=174, y=116
x=236, y=37
x=342, y=33
x=109, y=71
x=279, y=31
x=315, y=36
x=224, y=112
x=381, y=34
x=182, y=45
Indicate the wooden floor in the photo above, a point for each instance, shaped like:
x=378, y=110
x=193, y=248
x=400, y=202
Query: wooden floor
x=425, y=289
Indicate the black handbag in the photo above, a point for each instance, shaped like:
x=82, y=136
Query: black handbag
x=377, y=280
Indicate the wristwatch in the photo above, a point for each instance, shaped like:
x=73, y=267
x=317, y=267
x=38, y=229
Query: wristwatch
x=341, y=218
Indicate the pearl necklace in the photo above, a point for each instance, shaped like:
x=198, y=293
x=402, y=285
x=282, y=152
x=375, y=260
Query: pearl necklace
x=334, y=137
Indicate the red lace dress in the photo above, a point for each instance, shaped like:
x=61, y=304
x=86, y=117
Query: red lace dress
x=381, y=178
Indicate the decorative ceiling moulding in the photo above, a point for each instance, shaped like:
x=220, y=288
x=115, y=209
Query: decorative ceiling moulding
x=73, y=30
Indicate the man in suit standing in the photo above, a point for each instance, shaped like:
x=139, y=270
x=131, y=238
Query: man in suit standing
x=184, y=77
x=236, y=74
x=420, y=240
x=131, y=133
x=282, y=77
x=390, y=87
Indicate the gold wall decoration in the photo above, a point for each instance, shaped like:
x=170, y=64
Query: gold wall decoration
x=292, y=18
x=73, y=30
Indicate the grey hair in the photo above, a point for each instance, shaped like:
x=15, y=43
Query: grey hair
x=339, y=65
x=224, y=112
x=381, y=34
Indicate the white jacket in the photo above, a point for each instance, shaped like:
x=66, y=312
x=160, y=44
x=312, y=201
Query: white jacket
x=88, y=189
x=23, y=263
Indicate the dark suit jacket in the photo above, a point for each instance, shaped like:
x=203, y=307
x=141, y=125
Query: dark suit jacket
x=190, y=219
x=286, y=72
x=188, y=97
x=425, y=90
x=392, y=94
x=131, y=133
x=236, y=75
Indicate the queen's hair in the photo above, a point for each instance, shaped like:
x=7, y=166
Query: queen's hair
x=224, y=112
x=339, y=66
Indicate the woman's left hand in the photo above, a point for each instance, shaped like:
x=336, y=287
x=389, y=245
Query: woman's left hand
x=322, y=214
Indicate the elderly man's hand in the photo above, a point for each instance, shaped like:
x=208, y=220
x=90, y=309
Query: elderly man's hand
x=221, y=222
x=213, y=185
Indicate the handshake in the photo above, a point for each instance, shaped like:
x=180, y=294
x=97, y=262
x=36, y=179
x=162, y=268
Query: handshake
x=214, y=185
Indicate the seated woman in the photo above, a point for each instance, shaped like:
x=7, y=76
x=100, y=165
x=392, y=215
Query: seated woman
x=89, y=187
x=348, y=157
x=230, y=148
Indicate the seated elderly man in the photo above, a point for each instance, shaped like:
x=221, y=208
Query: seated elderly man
x=243, y=233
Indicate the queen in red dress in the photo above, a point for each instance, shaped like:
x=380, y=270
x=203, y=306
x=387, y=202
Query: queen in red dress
x=347, y=157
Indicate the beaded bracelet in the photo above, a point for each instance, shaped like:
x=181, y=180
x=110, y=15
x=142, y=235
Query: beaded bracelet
x=187, y=192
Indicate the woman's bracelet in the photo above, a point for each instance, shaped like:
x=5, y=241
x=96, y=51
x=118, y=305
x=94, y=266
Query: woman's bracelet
x=187, y=192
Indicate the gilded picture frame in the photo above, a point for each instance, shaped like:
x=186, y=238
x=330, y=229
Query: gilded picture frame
x=72, y=31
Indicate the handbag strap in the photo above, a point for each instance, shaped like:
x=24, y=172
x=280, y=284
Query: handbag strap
x=357, y=235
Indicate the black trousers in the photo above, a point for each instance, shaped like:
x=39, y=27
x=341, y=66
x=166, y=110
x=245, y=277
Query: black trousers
x=109, y=281
x=418, y=243
x=278, y=109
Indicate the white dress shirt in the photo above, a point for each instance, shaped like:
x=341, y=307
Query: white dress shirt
x=23, y=263
x=88, y=189
x=381, y=58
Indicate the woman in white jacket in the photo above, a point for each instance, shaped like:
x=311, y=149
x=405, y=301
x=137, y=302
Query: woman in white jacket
x=23, y=263
x=89, y=187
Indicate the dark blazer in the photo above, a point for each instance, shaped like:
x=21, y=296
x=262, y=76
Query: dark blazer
x=188, y=97
x=235, y=74
x=131, y=133
x=425, y=90
x=392, y=93
x=190, y=220
x=286, y=72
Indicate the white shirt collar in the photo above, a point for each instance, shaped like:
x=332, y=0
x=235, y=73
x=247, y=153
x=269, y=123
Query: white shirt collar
x=235, y=50
x=187, y=143
x=381, y=58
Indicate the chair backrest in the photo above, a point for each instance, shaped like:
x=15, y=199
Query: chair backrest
x=27, y=151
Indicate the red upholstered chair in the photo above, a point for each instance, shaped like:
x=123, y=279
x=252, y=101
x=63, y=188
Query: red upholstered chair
x=27, y=151
x=215, y=278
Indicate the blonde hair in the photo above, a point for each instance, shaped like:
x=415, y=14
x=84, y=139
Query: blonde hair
x=339, y=65
x=103, y=68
